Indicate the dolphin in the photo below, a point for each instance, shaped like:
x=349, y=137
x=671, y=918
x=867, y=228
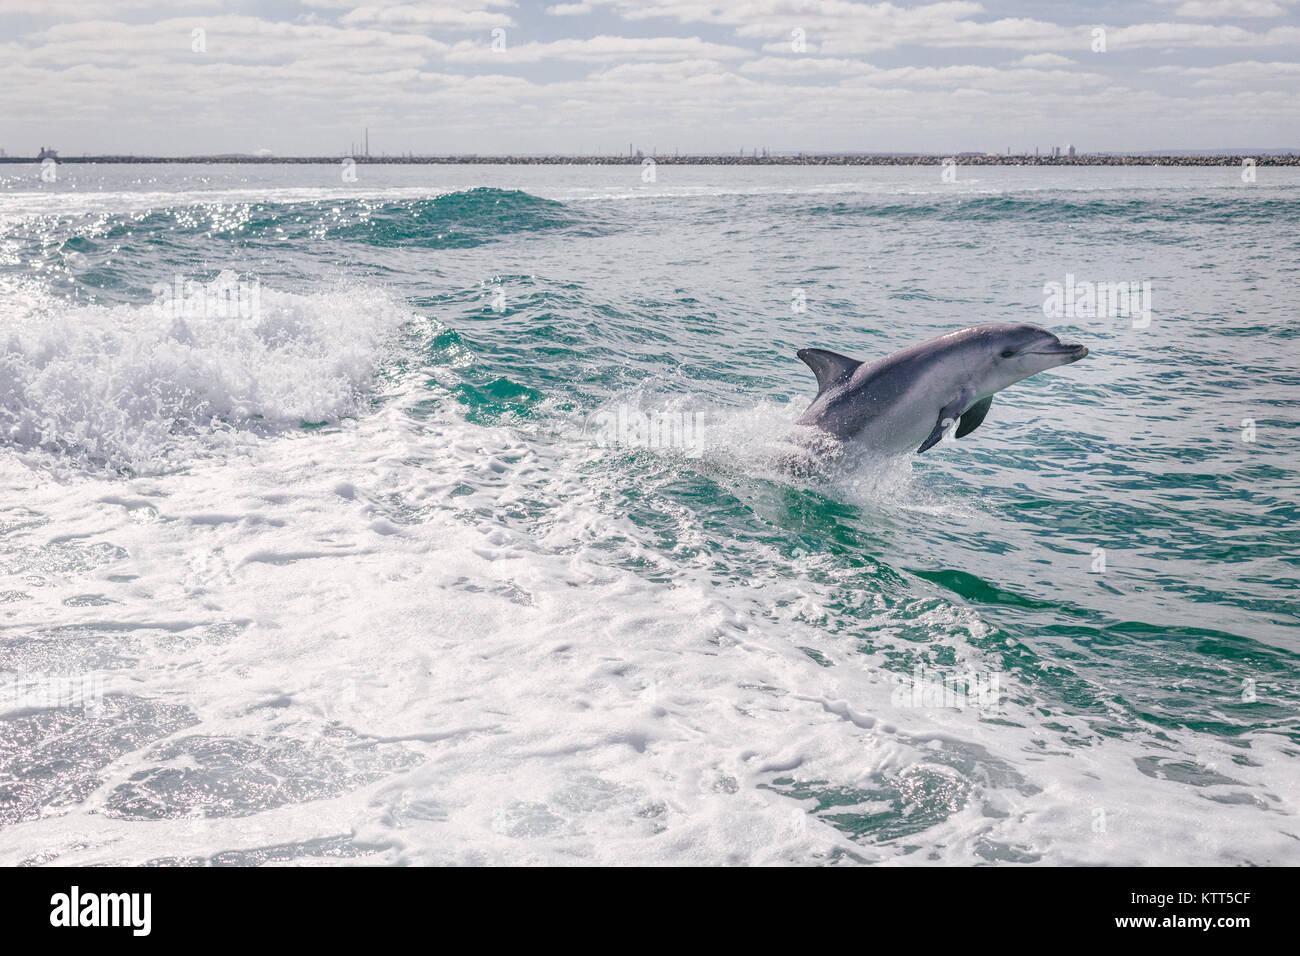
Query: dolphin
x=911, y=398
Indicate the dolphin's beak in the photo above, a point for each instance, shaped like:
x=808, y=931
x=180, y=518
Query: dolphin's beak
x=1070, y=351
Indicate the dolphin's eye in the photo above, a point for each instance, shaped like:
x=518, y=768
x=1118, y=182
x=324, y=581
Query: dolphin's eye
x=1007, y=353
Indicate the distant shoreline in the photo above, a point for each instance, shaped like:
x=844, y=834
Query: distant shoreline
x=845, y=159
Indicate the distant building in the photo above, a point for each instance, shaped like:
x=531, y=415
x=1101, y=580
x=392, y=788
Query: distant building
x=1056, y=151
x=47, y=153
x=1069, y=150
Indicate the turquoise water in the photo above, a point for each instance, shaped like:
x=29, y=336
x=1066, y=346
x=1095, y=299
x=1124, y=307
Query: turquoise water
x=366, y=576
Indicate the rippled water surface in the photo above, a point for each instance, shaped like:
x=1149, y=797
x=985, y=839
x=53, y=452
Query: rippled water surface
x=376, y=570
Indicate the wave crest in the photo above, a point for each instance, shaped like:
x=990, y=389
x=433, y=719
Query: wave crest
x=144, y=388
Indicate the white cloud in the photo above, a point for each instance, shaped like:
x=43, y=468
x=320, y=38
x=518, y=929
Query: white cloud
x=448, y=17
x=989, y=78
x=226, y=38
x=310, y=84
x=1249, y=73
x=1198, y=35
x=463, y=5
x=86, y=9
x=805, y=66
x=1230, y=9
x=952, y=77
x=842, y=27
x=1045, y=59
x=595, y=50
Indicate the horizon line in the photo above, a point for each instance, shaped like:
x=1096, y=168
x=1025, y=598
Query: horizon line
x=1284, y=157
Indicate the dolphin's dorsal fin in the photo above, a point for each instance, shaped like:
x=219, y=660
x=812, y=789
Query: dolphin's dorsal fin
x=829, y=367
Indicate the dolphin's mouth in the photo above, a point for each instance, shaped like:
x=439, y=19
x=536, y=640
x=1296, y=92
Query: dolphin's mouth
x=1073, y=350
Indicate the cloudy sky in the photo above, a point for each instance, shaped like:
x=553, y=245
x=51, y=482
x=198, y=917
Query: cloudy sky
x=171, y=77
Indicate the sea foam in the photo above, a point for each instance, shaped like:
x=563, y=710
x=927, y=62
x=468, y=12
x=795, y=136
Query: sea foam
x=143, y=387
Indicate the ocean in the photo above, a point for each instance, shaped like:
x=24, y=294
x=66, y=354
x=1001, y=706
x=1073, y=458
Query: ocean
x=447, y=515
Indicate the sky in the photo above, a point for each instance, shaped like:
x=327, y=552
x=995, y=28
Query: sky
x=307, y=77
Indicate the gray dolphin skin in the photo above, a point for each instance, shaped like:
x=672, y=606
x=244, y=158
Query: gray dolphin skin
x=909, y=399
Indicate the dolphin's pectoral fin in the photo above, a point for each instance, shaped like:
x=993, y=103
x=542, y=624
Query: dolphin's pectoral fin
x=948, y=415
x=934, y=436
x=829, y=367
x=972, y=418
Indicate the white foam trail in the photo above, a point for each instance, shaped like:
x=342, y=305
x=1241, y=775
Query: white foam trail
x=366, y=643
x=133, y=387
